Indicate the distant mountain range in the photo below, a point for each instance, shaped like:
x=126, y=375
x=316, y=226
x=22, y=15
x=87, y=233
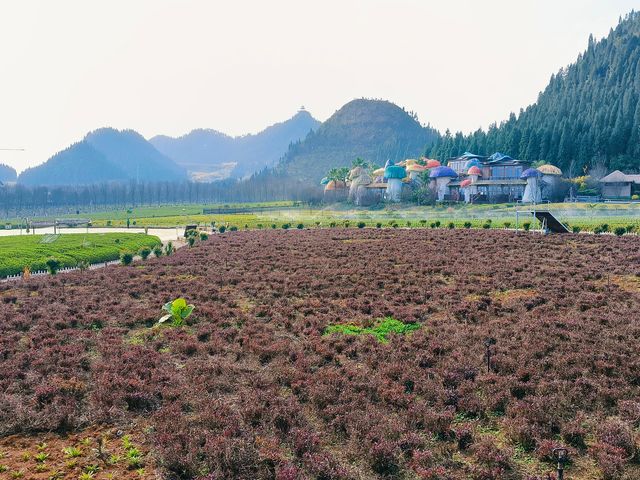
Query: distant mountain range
x=211, y=155
x=102, y=156
x=375, y=130
x=7, y=174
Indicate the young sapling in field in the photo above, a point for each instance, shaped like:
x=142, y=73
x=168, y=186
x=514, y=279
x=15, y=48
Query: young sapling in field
x=178, y=312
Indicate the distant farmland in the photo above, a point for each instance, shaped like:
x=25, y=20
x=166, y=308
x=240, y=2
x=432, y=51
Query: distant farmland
x=17, y=252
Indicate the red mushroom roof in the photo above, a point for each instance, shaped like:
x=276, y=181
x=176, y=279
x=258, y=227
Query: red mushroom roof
x=465, y=183
x=474, y=171
x=432, y=163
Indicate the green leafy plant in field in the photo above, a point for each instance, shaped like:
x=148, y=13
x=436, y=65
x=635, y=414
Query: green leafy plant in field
x=191, y=241
x=619, y=231
x=380, y=329
x=300, y=226
x=204, y=236
x=576, y=229
x=72, y=452
x=222, y=229
x=157, y=251
x=526, y=226
x=178, y=312
x=467, y=224
x=168, y=249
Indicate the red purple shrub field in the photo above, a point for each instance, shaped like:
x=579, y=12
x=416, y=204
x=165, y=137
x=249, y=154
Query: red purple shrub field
x=252, y=386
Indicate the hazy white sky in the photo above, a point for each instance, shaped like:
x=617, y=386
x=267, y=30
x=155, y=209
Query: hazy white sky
x=168, y=66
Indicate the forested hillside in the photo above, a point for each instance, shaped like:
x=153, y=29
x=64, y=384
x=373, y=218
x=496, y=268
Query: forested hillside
x=588, y=115
x=7, y=174
x=375, y=130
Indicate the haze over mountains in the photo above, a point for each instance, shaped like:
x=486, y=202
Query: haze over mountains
x=211, y=155
x=588, y=115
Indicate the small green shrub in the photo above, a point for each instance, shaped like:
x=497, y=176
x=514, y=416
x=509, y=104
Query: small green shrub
x=157, y=250
x=300, y=226
x=486, y=226
x=380, y=329
x=437, y=223
x=409, y=223
x=467, y=224
x=53, y=265
x=145, y=252
x=233, y=228
x=604, y=227
x=274, y=226
x=526, y=226
x=222, y=229
x=619, y=231
x=332, y=224
x=576, y=229
x=507, y=225
x=378, y=225
x=361, y=224
x=126, y=258
x=630, y=228
x=451, y=226
x=285, y=226
x=204, y=236
x=169, y=249
x=191, y=240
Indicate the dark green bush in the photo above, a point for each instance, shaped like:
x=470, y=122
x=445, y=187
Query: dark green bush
x=222, y=229
x=285, y=226
x=126, y=258
x=145, y=252
x=233, y=228
x=53, y=265
x=300, y=226
x=157, y=250
x=378, y=225
x=576, y=229
x=451, y=226
x=204, y=236
x=526, y=226
x=467, y=224
x=507, y=224
x=361, y=224
x=486, y=226
x=619, y=231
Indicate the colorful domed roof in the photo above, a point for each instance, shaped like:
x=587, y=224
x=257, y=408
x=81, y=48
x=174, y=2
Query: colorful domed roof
x=474, y=171
x=442, y=171
x=465, y=183
x=379, y=172
x=529, y=173
x=474, y=162
x=395, y=171
x=416, y=168
x=549, y=169
x=432, y=163
x=324, y=181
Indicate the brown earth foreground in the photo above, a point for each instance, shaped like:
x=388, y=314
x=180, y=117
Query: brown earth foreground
x=250, y=388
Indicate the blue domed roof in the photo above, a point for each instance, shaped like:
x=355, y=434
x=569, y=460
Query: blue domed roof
x=474, y=162
x=443, y=171
x=388, y=164
x=529, y=173
x=395, y=171
x=324, y=181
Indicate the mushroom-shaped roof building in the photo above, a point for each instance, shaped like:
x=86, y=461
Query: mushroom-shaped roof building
x=388, y=163
x=442, y=171
x=324, y=181
x=407, y=162
x=465, y=183
x=379, y=172
x=529, y=173
x=335, y=185
x=395, y=171
x=549, y=169
x=430, y=163
x=499, y=157
x=416, y=168
x=474, y=171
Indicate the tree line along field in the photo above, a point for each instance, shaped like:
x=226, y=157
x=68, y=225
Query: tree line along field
x=587, y=217
x=20, y=251
x=341, y=354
